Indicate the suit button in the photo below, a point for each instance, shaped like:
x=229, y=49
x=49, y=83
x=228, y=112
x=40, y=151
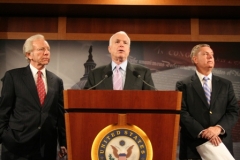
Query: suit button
x=39, y=127
x=210, y=112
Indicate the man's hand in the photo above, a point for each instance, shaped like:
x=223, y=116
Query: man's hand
x=62, y=152
x=215, y=141
x=211, y=134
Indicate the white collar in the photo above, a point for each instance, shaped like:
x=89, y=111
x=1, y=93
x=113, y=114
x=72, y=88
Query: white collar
x=201, y=76
x=35, y=70
x=122, y=65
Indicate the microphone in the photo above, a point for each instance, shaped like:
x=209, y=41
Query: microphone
x=136, y=74
x=108, y=74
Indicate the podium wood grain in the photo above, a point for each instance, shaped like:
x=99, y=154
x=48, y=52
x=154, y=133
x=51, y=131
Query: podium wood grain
x=155, y=112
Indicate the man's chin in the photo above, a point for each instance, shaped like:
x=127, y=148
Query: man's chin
x=119, y=57
x=45, y=62
x=210, y=67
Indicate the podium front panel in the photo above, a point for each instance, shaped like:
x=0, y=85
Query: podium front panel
x=161, y=129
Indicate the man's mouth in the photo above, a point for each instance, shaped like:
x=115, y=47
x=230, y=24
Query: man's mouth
x=45, y=59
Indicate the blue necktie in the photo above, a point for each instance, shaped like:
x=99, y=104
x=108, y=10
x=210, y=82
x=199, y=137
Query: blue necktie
x=206, y=89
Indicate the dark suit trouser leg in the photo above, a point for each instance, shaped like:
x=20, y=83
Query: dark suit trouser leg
x=7, y=155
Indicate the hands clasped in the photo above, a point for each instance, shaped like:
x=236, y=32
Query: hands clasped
x=212, y=134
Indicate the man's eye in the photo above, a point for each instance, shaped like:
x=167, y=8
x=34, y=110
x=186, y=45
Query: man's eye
x=43, y=49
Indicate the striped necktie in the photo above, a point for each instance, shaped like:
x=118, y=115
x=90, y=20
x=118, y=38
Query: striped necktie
x=40, y=87
x=206, y=89
x=117, y=79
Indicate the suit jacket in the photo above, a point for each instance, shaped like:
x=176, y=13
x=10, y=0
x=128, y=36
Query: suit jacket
x=196, y=115
x=25, y=125
x=131, y=81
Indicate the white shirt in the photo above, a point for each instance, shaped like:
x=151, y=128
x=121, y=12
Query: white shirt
x=209, y=82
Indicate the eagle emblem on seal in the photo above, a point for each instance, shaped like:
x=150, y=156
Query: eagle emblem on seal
x=122, y=156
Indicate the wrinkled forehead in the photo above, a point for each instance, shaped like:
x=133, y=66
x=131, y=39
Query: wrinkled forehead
x=120, y=37
x=205, y=50
x=40, y=43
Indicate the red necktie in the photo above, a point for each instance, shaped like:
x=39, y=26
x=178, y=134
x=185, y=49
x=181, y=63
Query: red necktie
x=40, y=87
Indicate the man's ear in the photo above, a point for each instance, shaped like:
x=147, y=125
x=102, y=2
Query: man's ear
x=194, y=59
x=27, y=54
x=109, y=49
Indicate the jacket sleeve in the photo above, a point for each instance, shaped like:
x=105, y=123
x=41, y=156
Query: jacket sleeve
x=61, y=118
x=187, y=121
x=7, y=102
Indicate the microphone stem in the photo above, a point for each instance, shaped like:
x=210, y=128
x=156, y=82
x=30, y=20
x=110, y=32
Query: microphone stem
x=97, y=84
x=148, y=84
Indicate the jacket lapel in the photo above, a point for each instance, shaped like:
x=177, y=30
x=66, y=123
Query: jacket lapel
x=130, y=78
x=50, y=91
x=216, y=87
x=108, y=81
x=199, y=89
x=129, y=81
x=30, y=83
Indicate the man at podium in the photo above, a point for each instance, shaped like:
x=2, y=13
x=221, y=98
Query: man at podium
x=120, y=74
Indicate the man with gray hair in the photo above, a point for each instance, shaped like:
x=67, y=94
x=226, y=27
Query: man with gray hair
x=209, y=106
x=31, y=108
x=126, y=76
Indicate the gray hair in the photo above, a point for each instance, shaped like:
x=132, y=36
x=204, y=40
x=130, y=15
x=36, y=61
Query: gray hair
x=195, y=50
x=121, y=32
x=28, y=45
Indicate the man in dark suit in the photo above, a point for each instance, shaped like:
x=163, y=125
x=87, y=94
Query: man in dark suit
x=119, y=48
x=29, y=128
x=203, y=120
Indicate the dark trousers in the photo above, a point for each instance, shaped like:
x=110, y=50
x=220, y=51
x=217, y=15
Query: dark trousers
x=7, y=155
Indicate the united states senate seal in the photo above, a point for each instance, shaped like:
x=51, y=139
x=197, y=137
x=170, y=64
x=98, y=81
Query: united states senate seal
x=121, y=141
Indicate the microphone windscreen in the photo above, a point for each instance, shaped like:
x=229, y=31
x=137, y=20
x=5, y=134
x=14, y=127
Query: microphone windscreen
x=136, y=74
x=109, y=73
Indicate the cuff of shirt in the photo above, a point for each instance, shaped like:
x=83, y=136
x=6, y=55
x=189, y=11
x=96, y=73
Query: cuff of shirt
x=222, y=130
x=199, y=135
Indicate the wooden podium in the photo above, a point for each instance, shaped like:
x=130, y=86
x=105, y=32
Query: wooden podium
x=89, y=111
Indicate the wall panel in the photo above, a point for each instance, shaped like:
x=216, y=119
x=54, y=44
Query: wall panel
x=29, y=24
x=219, y=26
x=133, y=26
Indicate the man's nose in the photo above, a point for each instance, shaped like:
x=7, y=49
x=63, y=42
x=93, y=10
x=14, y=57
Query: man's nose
x=46, y=51
x=210, y=56
x=121, y=43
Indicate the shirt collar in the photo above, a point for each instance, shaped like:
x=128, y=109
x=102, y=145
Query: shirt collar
x=200, y=76
x=122, y=65
x=35, y=70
